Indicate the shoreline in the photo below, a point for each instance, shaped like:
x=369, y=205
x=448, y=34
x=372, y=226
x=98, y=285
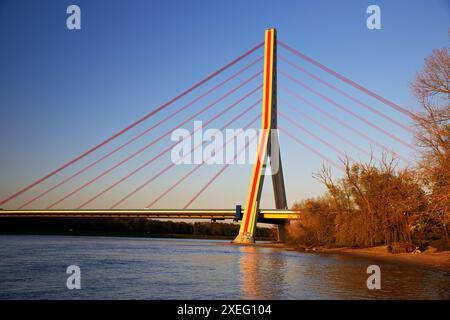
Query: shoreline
x=430, y=260
x=439, y=261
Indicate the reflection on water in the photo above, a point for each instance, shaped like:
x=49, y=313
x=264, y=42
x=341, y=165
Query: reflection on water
x=33, y=267
x=262, y=278
x=249, y=263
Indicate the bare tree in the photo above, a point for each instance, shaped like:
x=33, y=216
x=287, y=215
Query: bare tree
x=432, y=90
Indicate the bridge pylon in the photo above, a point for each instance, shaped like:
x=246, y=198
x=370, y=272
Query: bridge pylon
x=268, y=148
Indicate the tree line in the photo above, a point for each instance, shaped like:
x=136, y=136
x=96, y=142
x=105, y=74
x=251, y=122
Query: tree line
x=379, y=203
x=129, y=226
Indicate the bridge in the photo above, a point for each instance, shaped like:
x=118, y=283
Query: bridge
x=268, y=153
x=268, y=215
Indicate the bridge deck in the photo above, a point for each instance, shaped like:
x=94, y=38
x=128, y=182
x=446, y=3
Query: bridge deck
x=267, y=214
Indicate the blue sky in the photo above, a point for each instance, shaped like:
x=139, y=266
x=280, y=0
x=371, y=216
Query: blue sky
x=64, y=91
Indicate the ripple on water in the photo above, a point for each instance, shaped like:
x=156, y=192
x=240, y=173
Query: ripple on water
x=33, y=267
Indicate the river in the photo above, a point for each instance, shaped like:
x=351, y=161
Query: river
x=34, y=267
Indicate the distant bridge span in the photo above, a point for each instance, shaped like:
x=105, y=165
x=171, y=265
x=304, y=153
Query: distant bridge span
x=274, y=216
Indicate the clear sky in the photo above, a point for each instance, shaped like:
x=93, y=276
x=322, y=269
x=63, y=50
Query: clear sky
x=62, y=91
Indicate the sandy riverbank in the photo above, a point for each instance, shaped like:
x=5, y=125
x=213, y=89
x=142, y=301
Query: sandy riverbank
x=431, y=260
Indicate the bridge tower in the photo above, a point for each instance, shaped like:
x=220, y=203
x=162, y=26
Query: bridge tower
x=268, y=148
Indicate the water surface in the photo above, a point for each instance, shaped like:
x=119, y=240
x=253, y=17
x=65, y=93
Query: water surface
x=34, y=267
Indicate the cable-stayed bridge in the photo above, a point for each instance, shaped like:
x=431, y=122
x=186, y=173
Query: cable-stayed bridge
x=250, y=92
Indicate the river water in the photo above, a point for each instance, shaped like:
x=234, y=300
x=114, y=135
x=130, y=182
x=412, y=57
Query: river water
x=34, y=267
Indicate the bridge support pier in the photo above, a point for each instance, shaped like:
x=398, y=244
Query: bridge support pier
x=244, y=239
x=268, y=147
x=282, y=232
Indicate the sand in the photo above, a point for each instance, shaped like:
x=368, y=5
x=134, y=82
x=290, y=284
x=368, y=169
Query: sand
x=430, y=260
